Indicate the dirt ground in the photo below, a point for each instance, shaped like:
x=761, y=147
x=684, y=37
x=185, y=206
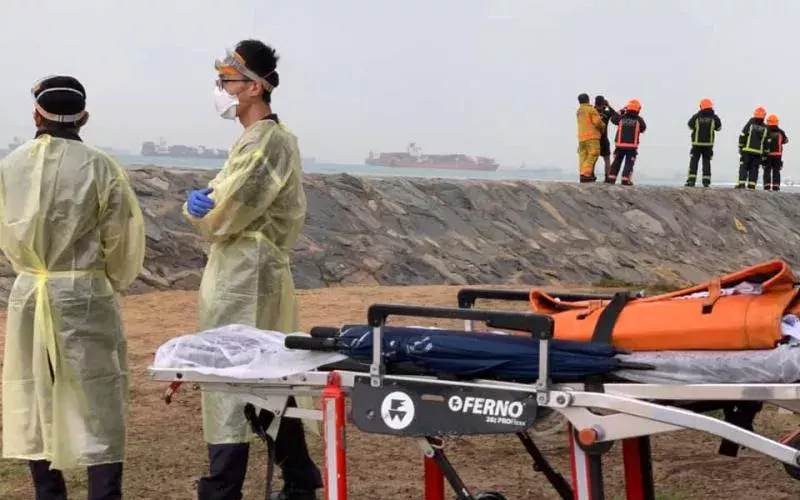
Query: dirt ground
x=166, y=453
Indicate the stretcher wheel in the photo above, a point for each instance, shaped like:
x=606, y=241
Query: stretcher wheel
x=792, y=440
x=489, y=495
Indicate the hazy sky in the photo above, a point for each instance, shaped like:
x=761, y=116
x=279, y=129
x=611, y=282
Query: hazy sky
x=495, y=77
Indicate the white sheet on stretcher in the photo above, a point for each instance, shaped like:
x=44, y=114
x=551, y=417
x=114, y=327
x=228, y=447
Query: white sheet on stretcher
x=240, y=351
x=763, y=366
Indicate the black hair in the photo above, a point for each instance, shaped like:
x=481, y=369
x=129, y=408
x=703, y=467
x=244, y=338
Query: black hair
x=599, y=100
x=583, y=98
x=262, y=60
x=61, y=102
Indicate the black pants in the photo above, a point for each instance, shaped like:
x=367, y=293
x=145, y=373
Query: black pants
x=605, y=146
x=748, y=170
x=629, y=155
x=697, y=152
x=228, y=464
x=105, y=481
x=772, y=173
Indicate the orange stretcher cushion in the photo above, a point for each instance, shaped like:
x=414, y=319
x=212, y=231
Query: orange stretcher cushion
x=715, y=322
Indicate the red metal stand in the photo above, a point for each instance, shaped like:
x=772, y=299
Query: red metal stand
x=434, y=480
x=333, y=424
x=587, y=472
x=580, y=467
x=638, y=468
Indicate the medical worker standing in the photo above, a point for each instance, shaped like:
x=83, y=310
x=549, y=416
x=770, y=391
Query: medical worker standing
x=252, y=212
x=71, y=227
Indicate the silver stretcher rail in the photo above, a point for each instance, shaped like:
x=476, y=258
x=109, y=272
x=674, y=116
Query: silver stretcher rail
x=631, y=415
x=627, y=412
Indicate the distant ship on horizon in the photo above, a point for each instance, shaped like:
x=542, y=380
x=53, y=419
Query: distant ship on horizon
x=150, y=148
x=413, y=158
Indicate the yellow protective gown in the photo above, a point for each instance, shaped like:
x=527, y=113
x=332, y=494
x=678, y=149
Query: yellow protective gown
x=260, y=208
x=71, y=227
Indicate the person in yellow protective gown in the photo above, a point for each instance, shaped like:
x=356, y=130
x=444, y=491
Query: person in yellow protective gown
x=590, y=129
x=252, y=212
x=71, y=227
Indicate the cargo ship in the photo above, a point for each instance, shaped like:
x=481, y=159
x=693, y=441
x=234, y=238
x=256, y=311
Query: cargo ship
x=150, y=148
x=413, y=158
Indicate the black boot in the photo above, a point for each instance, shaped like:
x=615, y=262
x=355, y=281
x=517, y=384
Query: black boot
x=227, y=470
x=105, y=482
x=301, y=477
x=47, y=483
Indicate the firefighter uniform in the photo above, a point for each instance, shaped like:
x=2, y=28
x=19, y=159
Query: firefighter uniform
x=590, y=128
x=704, y=124
x=753, y=147
x=629, y=126
x=774, y=161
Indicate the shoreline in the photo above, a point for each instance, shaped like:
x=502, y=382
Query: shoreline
x=395, y=231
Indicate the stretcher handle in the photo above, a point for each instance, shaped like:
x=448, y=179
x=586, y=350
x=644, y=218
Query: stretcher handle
x=311, y=343
x=468, y=296
x=539, y=325
x=324, y=332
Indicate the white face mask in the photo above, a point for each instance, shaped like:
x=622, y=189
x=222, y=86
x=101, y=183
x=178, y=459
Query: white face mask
x=225, y=103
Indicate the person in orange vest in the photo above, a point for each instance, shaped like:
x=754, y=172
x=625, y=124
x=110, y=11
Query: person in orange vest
x=753, y=148
x=774, y=162
x=590, y=129
x=704, y=124
x=629, y=126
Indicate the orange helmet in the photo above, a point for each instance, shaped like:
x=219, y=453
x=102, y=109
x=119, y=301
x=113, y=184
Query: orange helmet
x=706, y=104
x=759, y=112
x=772, y=120
x=634, y=105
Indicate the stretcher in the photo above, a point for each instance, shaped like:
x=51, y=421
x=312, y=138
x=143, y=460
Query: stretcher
x=402, y=400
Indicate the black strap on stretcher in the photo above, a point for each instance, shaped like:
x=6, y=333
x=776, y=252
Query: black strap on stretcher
x=741, y=414
x=259, y=423
x=604, y=328
x=603, y=331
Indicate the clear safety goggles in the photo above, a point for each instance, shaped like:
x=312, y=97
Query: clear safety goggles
x=233, y=64
x=52, y=116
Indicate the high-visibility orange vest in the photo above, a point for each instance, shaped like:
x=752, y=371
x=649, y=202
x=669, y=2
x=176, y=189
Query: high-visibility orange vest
x=590, y=123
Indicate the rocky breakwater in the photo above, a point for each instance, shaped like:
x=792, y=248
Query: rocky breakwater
x=399, y=231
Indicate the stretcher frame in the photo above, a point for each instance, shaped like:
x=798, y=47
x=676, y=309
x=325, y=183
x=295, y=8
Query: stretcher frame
x=629, y=415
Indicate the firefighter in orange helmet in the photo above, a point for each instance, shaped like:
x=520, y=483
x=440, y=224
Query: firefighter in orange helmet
x=590, y=129
x=754, y=145
x=629, y=126
x=774, y=161
x=704, y=124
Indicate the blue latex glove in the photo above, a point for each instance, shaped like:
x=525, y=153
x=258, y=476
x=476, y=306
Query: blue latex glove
x=199, y=204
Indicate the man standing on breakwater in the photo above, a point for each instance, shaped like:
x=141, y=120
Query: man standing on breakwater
x=774, y=162
x=630, y=125
x=72, y=229
x=753, y=147
x=704, y=125
x=590, y=128
x=606, y=112
x=252, y=211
